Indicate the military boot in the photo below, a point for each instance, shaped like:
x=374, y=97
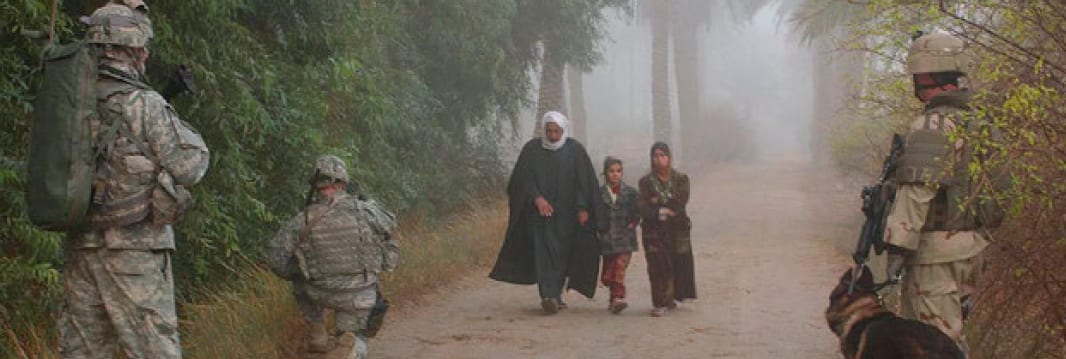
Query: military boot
x=349, y=346
x=318, y=342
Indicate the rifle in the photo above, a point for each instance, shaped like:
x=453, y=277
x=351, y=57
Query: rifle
x=876, y=200
x=180, y=82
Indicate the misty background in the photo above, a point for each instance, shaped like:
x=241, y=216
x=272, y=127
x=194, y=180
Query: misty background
x=754, y=96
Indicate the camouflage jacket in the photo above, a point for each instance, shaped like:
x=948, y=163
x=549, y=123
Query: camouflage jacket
x=334, y=241
x=907, y=223
x=141, y=141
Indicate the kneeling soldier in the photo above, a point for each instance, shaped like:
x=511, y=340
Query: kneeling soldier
x=332, y=253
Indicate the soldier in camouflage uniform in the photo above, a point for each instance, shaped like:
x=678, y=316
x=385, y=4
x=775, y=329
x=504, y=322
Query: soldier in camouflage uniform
x=934, y=230
x=117, y=282
x=332, y=252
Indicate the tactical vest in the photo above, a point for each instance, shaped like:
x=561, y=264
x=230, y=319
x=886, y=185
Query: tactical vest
x=125, y=174
x=130, y=184
x=929, y=158
x=338, y=242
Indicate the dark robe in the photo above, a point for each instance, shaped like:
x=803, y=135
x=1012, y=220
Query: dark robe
x=551, y=251
x=667, y=245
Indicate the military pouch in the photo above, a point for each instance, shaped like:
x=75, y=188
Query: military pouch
x=192, y=149
x=924, y=158
x=390, y=254
x=121, y=212
x=376, y=319
x=169, y=201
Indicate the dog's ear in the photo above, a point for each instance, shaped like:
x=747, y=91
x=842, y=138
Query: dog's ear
x=865, y=283
x=866, y=279
x=842, y=287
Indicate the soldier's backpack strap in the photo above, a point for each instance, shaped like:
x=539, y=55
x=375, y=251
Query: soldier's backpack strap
x=116, y=124
x=305, y=232
x=115, y=212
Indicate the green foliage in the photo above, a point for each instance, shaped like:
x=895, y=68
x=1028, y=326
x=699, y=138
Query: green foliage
x=1019, y=80
x=569, y=28
x=29, y=279
x=413, y=93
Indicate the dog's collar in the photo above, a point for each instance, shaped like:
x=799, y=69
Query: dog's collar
x=856, y=314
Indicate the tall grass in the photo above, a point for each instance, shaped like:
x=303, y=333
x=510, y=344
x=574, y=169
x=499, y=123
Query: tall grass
x=27, y=342
x=256, y=317
x=253, y=314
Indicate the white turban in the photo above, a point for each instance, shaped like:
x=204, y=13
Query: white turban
x=558, y=119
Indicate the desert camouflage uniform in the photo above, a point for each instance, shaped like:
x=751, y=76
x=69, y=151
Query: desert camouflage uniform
x=346, y=243
x=117, y=279
x=940, y=263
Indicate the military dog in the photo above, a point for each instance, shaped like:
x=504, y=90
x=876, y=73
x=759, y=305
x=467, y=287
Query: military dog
x=868, y=330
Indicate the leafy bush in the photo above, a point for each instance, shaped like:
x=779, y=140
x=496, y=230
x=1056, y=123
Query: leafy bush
x=1020, y=79
x=413, y=93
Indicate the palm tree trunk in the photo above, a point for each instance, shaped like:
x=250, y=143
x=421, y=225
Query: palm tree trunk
x=578, y=122
x=824, y=104
x=550, y=94
x=660, y=69
x=834, y=85
x=687, y=72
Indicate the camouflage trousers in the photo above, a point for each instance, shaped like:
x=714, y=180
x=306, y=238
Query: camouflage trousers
x=932, y=294
x=351, y=307
x=115, y=298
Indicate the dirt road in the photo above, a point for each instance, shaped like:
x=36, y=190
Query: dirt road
x=767, y=245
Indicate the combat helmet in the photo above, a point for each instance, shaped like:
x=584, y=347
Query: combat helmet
x=329, y=169
x=120, y=22
x=937, y=52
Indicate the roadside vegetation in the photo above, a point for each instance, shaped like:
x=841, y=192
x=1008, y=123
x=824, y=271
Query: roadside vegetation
x=1019, y=49
x=419, y=96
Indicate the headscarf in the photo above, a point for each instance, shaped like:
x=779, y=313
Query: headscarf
x=558, y=119
x=658, y=146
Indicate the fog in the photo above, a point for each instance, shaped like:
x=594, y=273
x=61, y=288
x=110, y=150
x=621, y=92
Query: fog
x=754, y=96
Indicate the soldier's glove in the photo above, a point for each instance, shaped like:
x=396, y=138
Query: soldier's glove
x=894, y=265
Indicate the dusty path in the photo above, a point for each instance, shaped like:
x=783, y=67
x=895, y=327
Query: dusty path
x=766, y=247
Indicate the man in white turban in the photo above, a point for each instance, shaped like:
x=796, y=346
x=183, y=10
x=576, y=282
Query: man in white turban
x=550, y=240
x=555, y=135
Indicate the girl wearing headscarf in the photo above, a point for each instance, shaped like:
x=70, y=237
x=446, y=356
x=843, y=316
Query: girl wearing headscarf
x=550, y=240
x=663, y=196
x=618, y=231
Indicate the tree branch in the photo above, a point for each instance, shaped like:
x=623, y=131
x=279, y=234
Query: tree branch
x=985, y=29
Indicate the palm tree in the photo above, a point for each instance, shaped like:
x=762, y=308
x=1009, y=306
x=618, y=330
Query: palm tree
x=687, y=17
x=551, y=90
x=564, y=32
x=820, y=23
x=576, y=109
x=660, y=69
x=681, y=21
